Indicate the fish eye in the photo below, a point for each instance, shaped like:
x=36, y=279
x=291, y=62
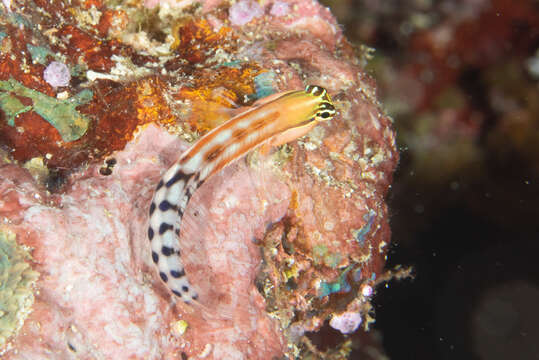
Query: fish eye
x=325, y=115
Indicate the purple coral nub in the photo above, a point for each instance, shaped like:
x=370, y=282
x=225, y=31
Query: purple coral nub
x=346, y=323
x=57, y=74
x=280, y=8
x=244, y=11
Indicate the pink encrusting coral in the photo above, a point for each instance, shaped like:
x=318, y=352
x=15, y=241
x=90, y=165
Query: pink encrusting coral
x=244, y=11
x=276, y=244
x=99, y=297
x=280, y=8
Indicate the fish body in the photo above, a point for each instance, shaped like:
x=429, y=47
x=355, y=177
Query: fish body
x=274, y=120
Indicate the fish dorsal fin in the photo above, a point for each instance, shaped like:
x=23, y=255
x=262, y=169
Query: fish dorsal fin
x=270, y=98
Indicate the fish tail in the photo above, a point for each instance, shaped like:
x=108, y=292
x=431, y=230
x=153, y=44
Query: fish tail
x=167, y=208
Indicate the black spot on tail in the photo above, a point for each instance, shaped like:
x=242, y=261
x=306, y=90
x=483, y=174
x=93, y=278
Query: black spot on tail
x=155, y=257
x=180, y=175
x=160, y=185
x=164, y=227
x=152, y=208
x=165, y=205
x=150, y=233
x=177, y=274
x=177, y=293
x=185, y=288
x=164, y=276
x=167, y=251
x=188, y=193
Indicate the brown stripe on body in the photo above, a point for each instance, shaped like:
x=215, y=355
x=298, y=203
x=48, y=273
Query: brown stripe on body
x=214, y=152
x=240, y=134
x=260, y=123
x=229, y=125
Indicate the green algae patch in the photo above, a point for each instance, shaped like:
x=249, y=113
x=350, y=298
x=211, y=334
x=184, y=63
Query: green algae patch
x=39, y=53
x=62, y=114
x=17, y=281
x=322, y=256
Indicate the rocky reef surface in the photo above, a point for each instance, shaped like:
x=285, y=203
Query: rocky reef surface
x=98, y=99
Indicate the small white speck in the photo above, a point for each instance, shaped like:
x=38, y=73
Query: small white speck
x=179, y=327
x=207, y=350
x=63, y=95
x=328, y=225
x=366, y=291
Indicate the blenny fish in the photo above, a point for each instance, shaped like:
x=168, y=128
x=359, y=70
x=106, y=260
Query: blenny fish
x=272, y=121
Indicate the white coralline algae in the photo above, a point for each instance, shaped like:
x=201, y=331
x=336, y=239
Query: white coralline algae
x=346, y=323
x=57, y=74
x=244, y=11
x=280, y=8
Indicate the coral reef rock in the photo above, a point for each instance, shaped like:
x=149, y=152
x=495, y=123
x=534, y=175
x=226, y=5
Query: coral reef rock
x=98, y=99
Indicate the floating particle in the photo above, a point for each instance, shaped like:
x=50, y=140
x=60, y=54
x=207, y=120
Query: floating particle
x=346, y=323
x=280, y=8
x=57, y=74
x=244, y=11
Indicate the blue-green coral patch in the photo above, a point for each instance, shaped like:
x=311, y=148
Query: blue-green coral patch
x=360, y=234
x=264, y=84
x=327, y=288
x=17, y=280
x=62, y=114
x=39, y=53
